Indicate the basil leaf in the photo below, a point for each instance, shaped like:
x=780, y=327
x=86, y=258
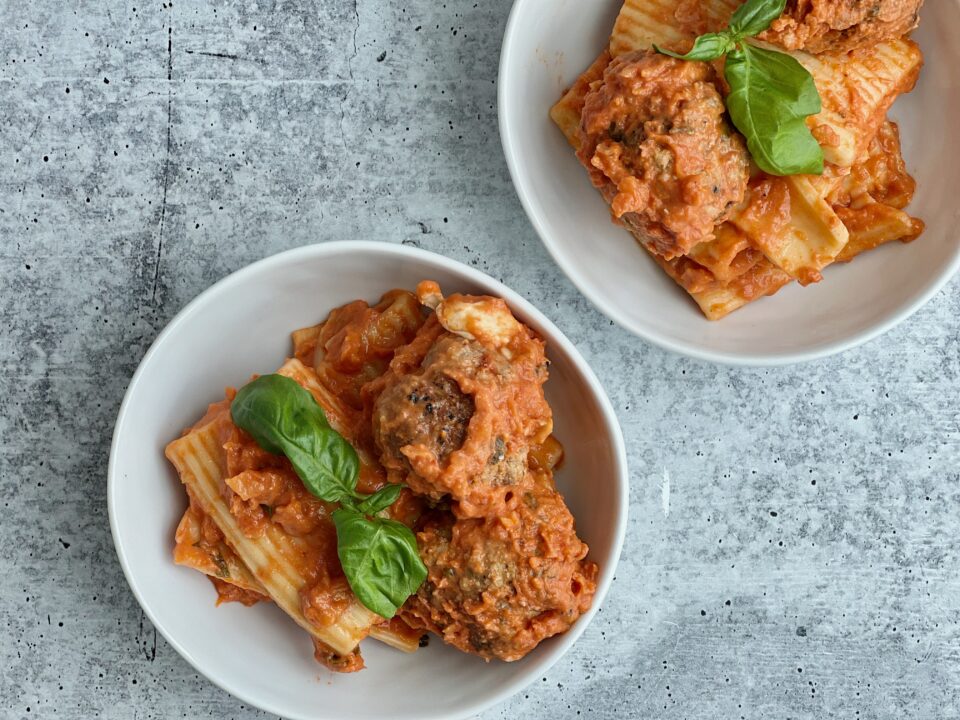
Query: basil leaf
x=706, y=47
x=380, y=560
x=771, y=94
x=271, y=401
x=755, y=16
x=284, y=418
x=380, y=500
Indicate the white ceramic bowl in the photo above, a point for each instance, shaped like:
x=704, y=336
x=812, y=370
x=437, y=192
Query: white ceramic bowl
x=547, y=44
x=241, y=326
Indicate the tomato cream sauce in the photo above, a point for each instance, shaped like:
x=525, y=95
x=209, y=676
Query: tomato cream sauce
x=499, y=585
x=228, y=592
x=654, y=133
x=461, y=418
x=454, y=409
x=841, y=25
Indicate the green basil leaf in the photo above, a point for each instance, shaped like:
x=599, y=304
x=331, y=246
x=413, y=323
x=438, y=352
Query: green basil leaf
x=380, y=560
x=380, y=500
x=771, y=94
x=706, y=47
x=755, y=16
x=284, y=418
x=790, y=82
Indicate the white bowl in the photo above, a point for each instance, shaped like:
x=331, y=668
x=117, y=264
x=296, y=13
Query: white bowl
x=241, y=326
x=548, y=44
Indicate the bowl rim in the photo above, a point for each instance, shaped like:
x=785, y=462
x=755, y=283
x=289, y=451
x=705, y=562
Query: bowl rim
x=570, y=268
x=552, y=334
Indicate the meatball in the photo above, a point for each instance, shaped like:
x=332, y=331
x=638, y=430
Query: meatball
x=841, y=25
x=498, y=586
x=655, y=139
x=461, y=423
x=428, y=411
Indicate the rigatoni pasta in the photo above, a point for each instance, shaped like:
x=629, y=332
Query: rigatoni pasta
x=274, y=558
x=786, y=228
x=390, y=456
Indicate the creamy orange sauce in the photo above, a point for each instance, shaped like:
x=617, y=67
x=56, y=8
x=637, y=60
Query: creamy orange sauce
x=261, y=489
x=654, y=135
x=728, y=255
x=766, y=213
x=842, y=25
x=871, y=198
x=499, y=585
x=201, y=545
x=393, y=371
x=228, y=592
x=357, y=341
x=882, y=175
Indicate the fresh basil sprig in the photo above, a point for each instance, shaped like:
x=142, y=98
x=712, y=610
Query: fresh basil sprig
x=771, y=94
x=379, y=556
x=380, y=500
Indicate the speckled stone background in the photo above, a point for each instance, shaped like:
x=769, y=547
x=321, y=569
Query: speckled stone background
x=809, y=565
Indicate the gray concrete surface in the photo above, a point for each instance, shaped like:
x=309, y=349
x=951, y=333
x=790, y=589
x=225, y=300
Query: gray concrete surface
x=808, y=566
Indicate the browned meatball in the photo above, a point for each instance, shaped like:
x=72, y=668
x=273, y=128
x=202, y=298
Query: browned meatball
x=496, y=587
x=655, y=138
x=841, y=25
x=429, y=411
x=461, y=424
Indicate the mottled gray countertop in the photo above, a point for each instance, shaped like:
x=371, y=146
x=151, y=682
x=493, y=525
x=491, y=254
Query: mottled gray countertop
x=809, y=563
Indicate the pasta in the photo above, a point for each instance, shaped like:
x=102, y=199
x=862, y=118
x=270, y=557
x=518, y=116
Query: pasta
x=870, y=200
x=260, y=527
x=809, y=241
x=857, y=90
x=668, y=23
x=751, y=253
x=200, y=545
x=235, y=582
x=272, y=558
